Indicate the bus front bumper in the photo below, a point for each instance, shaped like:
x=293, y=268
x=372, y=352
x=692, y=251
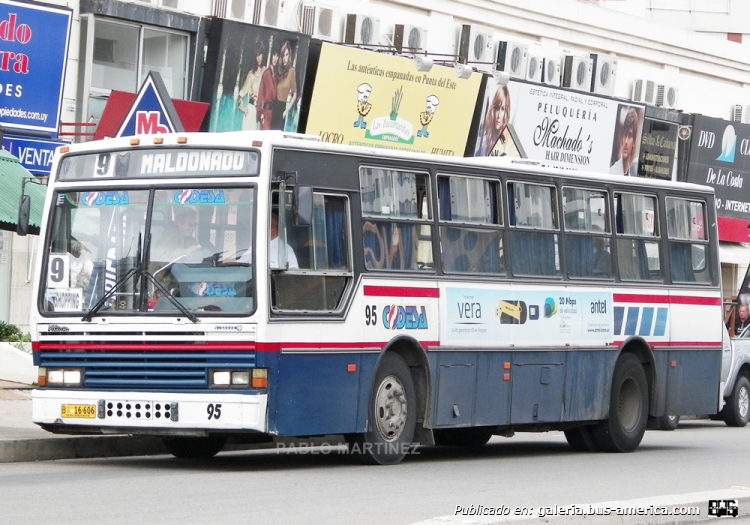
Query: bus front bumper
x=148, y=413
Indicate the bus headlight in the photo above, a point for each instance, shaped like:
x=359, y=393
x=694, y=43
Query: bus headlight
x=238, y=378
x=70, y=377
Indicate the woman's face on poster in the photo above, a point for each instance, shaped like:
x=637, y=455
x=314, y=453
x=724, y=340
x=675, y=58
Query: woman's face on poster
x=275, y=59
x=499, y=110
x=259, y=59
x=627, y=144
x=285, y=56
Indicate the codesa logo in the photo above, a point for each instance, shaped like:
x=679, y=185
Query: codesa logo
x=404, y=317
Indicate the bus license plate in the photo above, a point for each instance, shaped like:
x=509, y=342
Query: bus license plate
x=79, y=411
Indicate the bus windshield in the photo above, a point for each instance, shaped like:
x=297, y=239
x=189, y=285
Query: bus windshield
x=167, y=250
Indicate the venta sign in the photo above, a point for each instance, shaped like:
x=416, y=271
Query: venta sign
x=33, y=50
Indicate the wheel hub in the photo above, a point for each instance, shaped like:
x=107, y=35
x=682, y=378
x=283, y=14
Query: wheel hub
x=743, y=402
x=390, y=408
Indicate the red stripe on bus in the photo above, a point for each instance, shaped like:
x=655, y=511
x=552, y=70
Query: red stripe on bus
x=219, y=347
x=400, y=291
x=702, y=344
x=666, y=299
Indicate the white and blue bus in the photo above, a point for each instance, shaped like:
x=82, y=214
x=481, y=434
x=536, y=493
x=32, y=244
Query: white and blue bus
x=247, y=285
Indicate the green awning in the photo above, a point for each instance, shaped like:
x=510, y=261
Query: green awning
x=12, y=174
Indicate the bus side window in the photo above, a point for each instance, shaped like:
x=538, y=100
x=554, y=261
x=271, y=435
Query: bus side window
x=688, y=246
x=471, y=235
x=637, y=230
x=323, y=257
x=534, y=223
x=588, y=242
x=396, y=225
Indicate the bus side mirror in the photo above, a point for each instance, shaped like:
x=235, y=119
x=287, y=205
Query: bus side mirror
x=22, y=227
x=303, y=205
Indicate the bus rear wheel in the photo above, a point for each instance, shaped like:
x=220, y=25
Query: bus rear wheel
x=195, y=448
x=623, y=430
x=392, y=415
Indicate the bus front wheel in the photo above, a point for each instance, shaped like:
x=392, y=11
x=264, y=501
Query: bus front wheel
x=195, y=448
x=392, y=415
x=623, y=430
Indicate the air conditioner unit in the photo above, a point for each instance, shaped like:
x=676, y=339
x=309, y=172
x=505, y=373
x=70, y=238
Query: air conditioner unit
x=409, y=38
x=666, y=96
x=361, y=29
x=576, y=72
x=475, y=44
x=269, y=13
x=603, y=70
x=512, y=58
x=170, y=4
x=319, y=21
x=241, y=10
x=644, y=91
x=535, y=69
x=551, y=71
x=741, y=113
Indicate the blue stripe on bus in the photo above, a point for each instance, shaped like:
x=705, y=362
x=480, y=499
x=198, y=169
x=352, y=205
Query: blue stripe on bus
x=632, y=321
x=646, y=321
x=619, y=314
x=661, y=321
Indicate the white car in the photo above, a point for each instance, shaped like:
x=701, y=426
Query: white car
x=735, y=378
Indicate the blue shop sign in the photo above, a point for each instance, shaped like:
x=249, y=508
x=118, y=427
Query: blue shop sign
x=34, y=154
x=33, y=50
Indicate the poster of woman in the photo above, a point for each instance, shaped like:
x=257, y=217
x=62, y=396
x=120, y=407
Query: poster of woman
x=248, y=68
x=494, y=136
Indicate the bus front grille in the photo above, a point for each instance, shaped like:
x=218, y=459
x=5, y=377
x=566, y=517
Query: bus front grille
x=143, y=370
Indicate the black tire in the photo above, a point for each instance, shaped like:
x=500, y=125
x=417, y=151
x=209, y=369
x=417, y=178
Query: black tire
x=623, y=430
x=392, y=415
x=736, y=412
x=195, y=448
x=668, y=422
x=473, y=437
x=581, y=440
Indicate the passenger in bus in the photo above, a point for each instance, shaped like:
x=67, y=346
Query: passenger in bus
x=273, y=247
x=179, y=242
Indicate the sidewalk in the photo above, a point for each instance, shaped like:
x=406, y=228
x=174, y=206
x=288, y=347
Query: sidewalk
x=22, y=440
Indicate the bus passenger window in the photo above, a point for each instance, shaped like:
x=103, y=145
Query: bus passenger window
x=534, y=222
x=688, y=245
x=588, y=243
x=471, y=234
x=637, y=230
x=396, y=229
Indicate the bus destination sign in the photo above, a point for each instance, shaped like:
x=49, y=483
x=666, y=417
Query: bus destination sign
x=138, y=164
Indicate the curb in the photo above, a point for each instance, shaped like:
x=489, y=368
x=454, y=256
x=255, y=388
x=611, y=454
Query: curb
x=21, y=450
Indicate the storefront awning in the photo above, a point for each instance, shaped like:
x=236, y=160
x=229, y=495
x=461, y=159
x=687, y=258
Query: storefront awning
x=734, y=253
x=11, y=179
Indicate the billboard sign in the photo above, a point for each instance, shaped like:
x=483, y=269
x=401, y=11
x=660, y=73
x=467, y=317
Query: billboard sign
x=559, y=127
x=379, y=100
x=658, y=149
x=254, y=77
x=34, y=154
x=720, y=158
x=33, y=45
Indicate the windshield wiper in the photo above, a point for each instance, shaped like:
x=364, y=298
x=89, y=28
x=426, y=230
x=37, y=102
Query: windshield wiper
x=140, y=272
